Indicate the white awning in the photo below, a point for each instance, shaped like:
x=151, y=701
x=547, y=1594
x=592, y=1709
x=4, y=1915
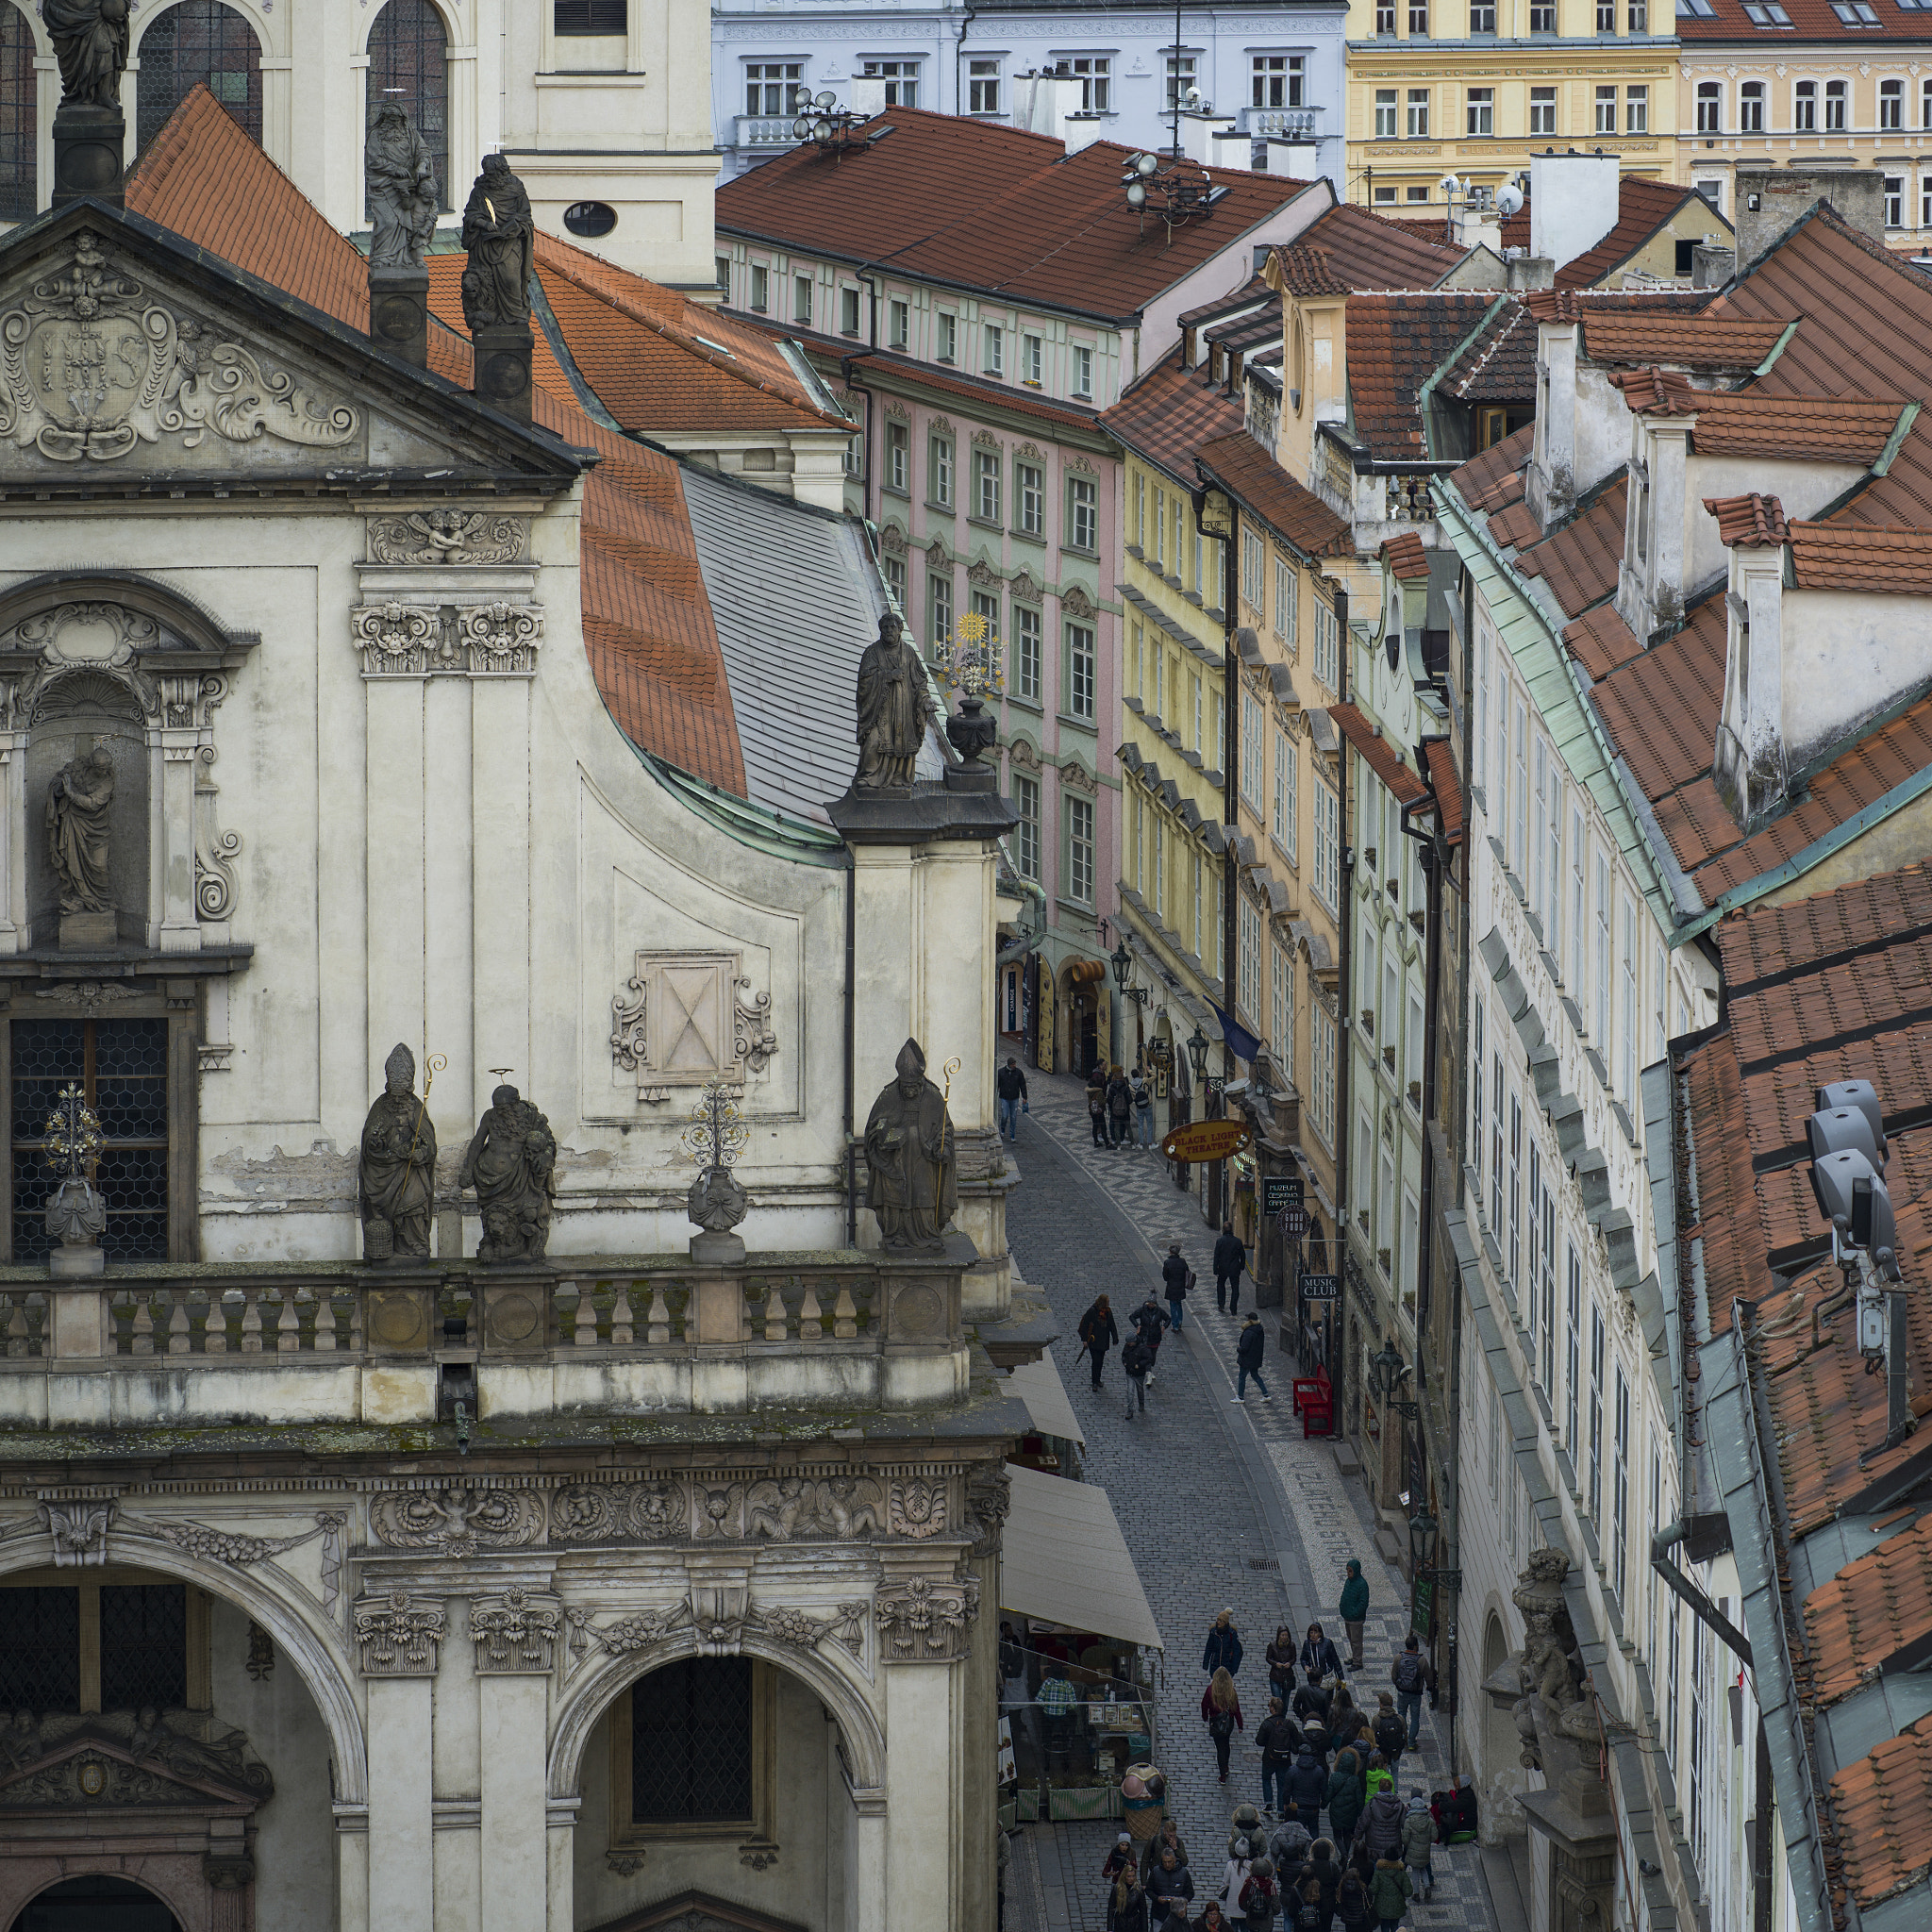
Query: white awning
x=1064, y=1558
x=1039, y=1386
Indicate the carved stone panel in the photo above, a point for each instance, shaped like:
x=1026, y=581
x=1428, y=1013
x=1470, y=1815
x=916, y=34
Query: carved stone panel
x=502, y=636
x=686, y=1020
x=398, y=1635
x=515, y=1631
x=79, y=1531
x=446, y=535
x=396, y=639
x=924, y=1621
x=457, y=1520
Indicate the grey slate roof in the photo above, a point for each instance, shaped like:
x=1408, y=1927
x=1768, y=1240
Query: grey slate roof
x=796, y=599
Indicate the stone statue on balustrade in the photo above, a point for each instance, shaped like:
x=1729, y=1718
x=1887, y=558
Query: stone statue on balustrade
x=895, y=710
x=90, y=40
x=401, y=187
x=396, y=1178
x=511, y=1163
x=910, y=1157
x=500, y=234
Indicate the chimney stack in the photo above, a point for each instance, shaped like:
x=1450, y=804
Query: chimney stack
x=1773, y=201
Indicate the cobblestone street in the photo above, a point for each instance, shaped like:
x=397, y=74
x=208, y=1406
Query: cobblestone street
x=1222, y=1504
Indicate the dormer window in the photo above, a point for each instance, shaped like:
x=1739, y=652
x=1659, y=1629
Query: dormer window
x=1855, y=12
x=1766, y=13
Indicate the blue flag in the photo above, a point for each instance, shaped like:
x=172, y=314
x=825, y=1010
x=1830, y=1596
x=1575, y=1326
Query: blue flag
x=1241, y=1042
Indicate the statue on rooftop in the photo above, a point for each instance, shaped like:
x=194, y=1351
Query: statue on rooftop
x=401, y=187
x=90, y=42
x=397, y=1173
x=500, y=234
x=512, y=1163
x=910, y=1157
x=895, y=710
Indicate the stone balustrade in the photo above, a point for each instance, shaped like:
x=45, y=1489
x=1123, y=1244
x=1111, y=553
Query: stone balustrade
x=340, y=1342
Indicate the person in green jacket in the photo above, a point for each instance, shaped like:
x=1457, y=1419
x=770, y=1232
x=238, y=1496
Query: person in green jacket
x=1354, y=1612
x=1346, y=1799
x=1388, y=1891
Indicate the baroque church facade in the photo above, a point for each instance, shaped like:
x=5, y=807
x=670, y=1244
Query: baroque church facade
x=639, y=1580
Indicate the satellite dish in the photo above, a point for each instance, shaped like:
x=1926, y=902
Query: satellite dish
x=1508, y=199
x=1448, y=184
x=1193, y=98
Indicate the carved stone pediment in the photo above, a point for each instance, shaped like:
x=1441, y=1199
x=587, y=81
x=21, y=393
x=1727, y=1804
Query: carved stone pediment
x=62, y=1761
x=685, y=1020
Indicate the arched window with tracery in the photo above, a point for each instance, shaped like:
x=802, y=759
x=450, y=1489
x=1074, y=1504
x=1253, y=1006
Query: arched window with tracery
x=409, y=62
x=19, y=118
x=199, y=41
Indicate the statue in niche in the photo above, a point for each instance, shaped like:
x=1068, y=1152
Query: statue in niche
x=79, y=804
x=500, y=235
x=90, y=42
x=910, y=1155
x=896, y=709
x=511, y=1163
x=401, y=186
x=398, y=1175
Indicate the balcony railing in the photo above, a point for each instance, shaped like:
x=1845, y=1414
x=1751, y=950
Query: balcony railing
x=768, y=131
x=292, y=1343
x=1281, y=123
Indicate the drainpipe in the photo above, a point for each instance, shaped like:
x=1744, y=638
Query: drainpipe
x=851, y=1044
x=1344, y=1030
x=867, y=273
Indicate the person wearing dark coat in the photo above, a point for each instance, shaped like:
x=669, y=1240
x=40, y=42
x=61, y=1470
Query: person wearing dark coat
x=1230, y=1258
x=1380, y=1829
x=1310, y=1704
x=1308, y=1788
x=1320, y=1660
x=1221, y=1711
x=1223, y=1650
x=1098, y=1333
x=1150, y=1324
x=1280, y=1659
x=1248, y=1351
x=1120, y=1110
x=1280, y=1739
x=1355, y=1611
x=1353, y=1908
x=1391, y=1733
x=1345, y=1797
x=1326, y=1868
x=1170, y=1884
x=1137, y=1361
x=1126, y=1904
x=1176, y=1278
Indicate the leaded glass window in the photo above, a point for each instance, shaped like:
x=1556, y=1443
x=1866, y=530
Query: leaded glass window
x=199, y=41
x=691, y=1742
x=409, y=62
x=19, y=128
x=143, y=1645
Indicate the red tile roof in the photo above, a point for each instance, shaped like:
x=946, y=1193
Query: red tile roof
x=1861, y=557
x=1254, y=291
x=1170, y=412
x=1600, y=640
x=1365, y=250
x=1447, y=785
x=1499, y=365
x=1041, y=226
x=1812, y=21
x=1748, y=422
x=1381, y=757
x=1301, y=270
x=1882, y=1805
x=1643, y=209
x=1772, y=940
x=1753, y=519
x=1495, y=478
x=1266, y=490
x=647, y=622
x=1579, y=559
x=1703, y=340
x=1396, y=343
x=1406, y=557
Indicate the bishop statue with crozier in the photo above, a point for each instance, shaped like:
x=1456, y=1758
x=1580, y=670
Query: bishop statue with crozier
x=396, y=1176
x=910, y=1158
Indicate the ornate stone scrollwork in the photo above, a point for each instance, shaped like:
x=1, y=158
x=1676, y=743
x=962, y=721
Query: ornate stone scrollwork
x=94, y=368
x=718, y=1617
x=234, y=1546
x=502, y=636
x=1024, y=589
x=923, y=1621
x=1075, y=776
x=792, y=1509
x=394, y=638
x=689, y=1020
x=804, y=1631
x=638, y=1631
x=398, y=1635
x=1023, y=755
x=79, y=1530
x=649, y=1511
x=919, y=1508
x=89, y=995
x=1074, y=602
x=515, y=1631
x=457, y=1520
x=753, y=1040
x=446, y=535
x=215, y=851
x=989, y=1498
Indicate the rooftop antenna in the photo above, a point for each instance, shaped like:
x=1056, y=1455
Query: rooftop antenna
x=1176, y=80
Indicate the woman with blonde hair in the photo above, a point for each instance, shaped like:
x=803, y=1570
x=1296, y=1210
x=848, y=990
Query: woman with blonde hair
x=1221, y=1711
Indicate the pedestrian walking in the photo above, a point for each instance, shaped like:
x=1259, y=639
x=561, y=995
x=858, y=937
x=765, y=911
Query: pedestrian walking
x=1118, y=1854
x=1353, y=1906
x=1213, y=1917
x=1096, y=1103
x=1320, y=1660
x=1418, y=1839
x=1247, y=1357
x=1258, y=1896
x=1223, y=1650
x=1310, y=1703
x=1389, y=1894
x=1287, y=1845
x=1411, y=1675
x=1150, y=1324
x=1098, y=1333
x=1126, y=1904
x=1345, y=1722
x=1380, y=1830
x=1355, y=1611
x=1221, y=1711
x=1169, y=1884
x=1167, y=1840
x=1143, y=1109
x=1348, y=1795
x=1311, y=1913
x=1308, y=1788
x=1378, y=1778
x=1120, y=1110
x=1280, y=1739
x=1240, y=1863
x=1391, y=1733
x=1176, y=1278
x=1137, y=1358
x=1280, y=1659
x=1324, y=1864
x=1230, y=1258
x=1012, y=1098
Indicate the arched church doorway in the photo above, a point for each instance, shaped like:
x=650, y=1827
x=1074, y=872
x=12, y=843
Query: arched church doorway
x=1499, y=1731
x=97, y=1904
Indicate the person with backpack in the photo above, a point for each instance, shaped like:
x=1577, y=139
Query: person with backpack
x=1120, y=1110
x=1280, y=1738
x=1248, y=1351
x=1353, y=1908
x=1177, y=1277
x=1389, y=1892
x=1320, y=1660
x=1258, y=1896
x=1143, y=1109
x=1012, y=1098
x=1223, y=1650
x=1324, y=1864
x=1230, y=1258
x=1418, y=1839
x=1311, y=1913
x=1098, y=1334
x=1410, y=1674
x=1150, y=1324
x=1137, y=1358
x=1391, y=1733
x=1355, y=1611
x=1221, y=1711
x=1287, y=1845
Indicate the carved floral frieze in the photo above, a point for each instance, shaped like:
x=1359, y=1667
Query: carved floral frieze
x=398, y=1635
x=457, y=1520
x=399, y=639
x=924, y=1619
x=446, y=535
x=514, y=1631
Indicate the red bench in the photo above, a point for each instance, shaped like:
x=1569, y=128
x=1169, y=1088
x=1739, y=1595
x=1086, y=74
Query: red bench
x=1314, y=1402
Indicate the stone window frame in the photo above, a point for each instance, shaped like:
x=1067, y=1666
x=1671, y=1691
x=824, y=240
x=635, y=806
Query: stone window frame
x=628, y=1834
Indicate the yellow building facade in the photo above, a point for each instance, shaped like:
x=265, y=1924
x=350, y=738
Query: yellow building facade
x=1472, y=87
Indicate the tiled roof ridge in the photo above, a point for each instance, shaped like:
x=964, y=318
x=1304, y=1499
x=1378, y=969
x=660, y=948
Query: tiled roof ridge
x=1839, y=532
x=1223, y=457
x=565, y=260
x=1406, y=557
x=1753, y=518
x=1649, y=391
x=1496, y=337
x=1305, y=271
